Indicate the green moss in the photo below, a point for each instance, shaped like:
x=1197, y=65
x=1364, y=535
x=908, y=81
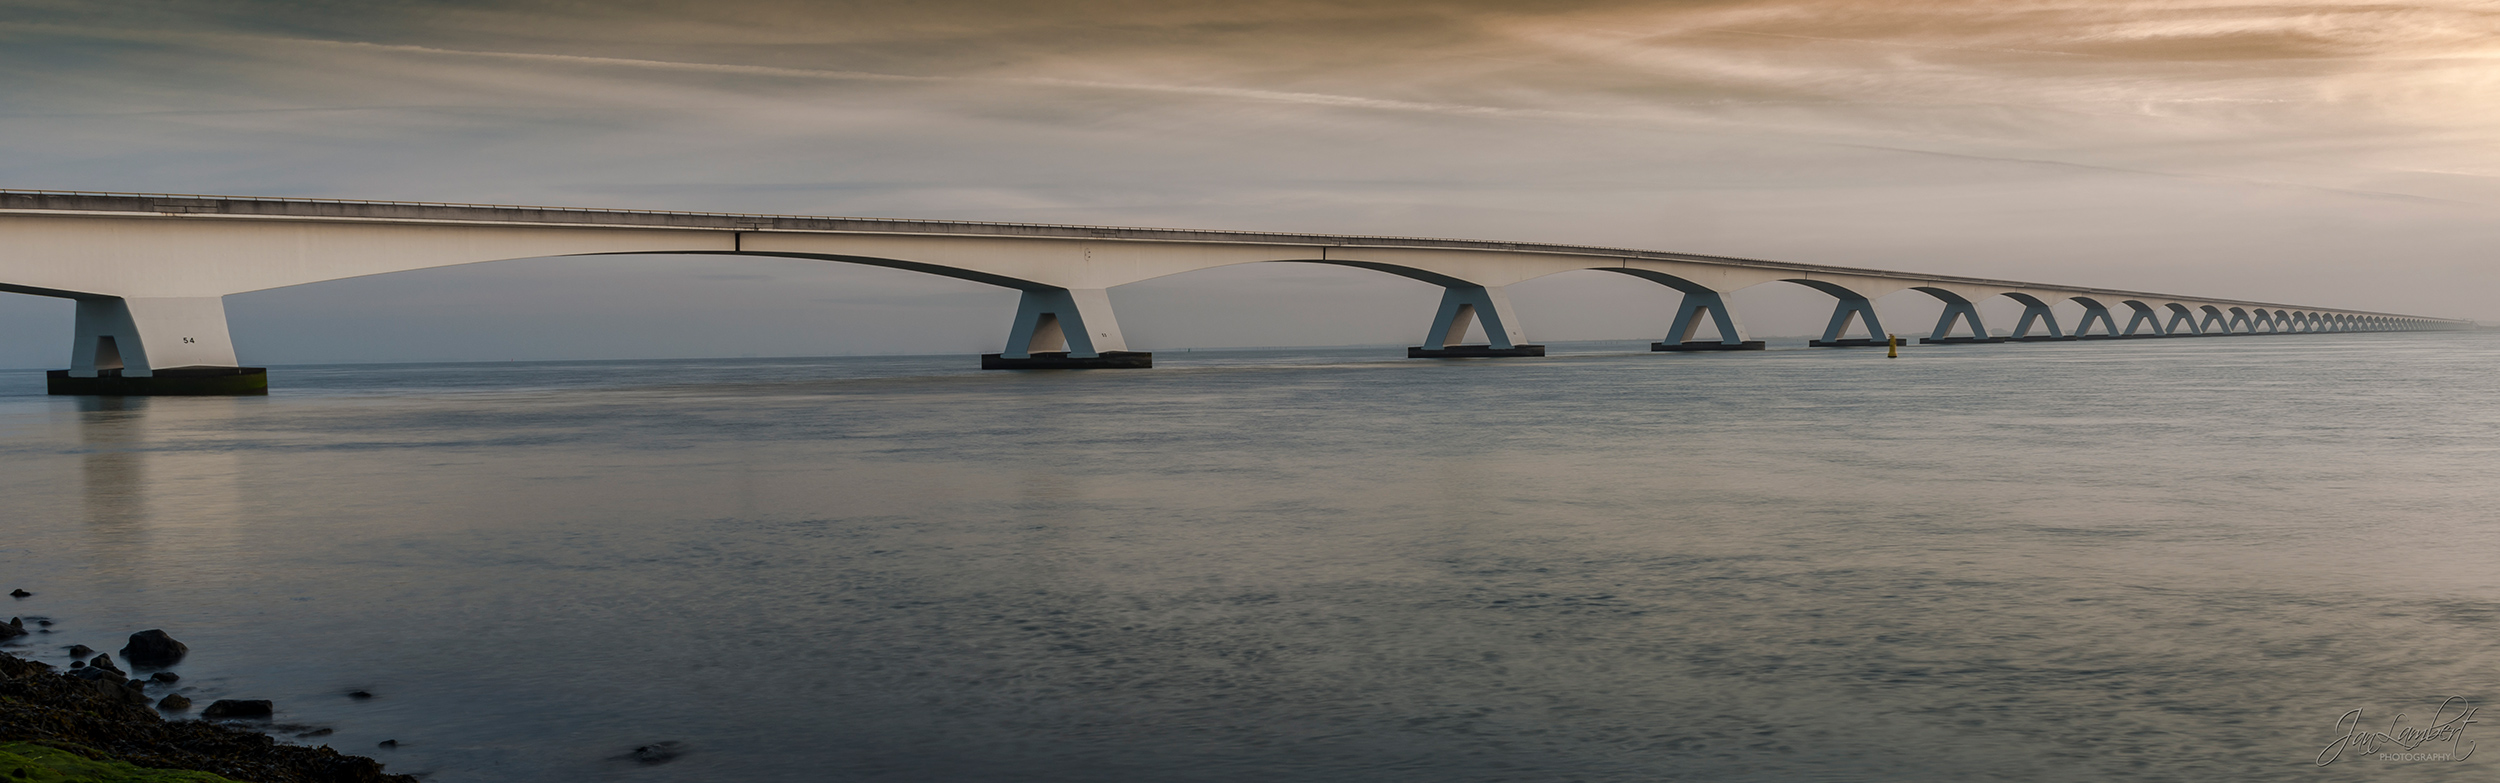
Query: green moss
x=26, y=762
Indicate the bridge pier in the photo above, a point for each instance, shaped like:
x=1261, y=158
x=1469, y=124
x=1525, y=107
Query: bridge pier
x=1688, y=317
x=2144, y=317
x=1852, y=308
x=2182, y=323
x=1465, y=305
x=2038, y=312
x=1065, y=329
x=1957, y=309
x=2092, y=312
x=154, y=346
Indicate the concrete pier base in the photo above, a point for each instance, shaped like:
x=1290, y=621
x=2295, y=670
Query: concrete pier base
x=1961, y=340
x=1473, y=352
x=1853, y=342
x=1060, y=360
x=173, y=381
x=1707, y=345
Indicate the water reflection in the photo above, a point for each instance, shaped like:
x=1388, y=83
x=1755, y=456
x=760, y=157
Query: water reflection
x=149, y=490
x=114, y=469
x=1802, y=566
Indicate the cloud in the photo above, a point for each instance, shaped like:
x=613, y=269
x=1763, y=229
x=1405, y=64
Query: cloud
x=2129, y=144
x=2349, y=92
x=2234, y=67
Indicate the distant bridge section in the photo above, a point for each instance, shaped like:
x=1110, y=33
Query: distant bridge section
x=149, y=273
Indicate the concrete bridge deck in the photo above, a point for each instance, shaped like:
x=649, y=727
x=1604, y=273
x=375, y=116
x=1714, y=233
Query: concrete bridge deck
x=149, y=272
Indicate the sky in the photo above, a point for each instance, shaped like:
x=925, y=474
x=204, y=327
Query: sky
x=2328, y=153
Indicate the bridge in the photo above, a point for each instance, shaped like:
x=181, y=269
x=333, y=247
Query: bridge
x=149, y=273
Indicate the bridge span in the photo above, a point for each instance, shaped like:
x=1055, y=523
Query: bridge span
x=149, y=273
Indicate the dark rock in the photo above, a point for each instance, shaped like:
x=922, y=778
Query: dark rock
x=77, y=664
x=387, y=744
x=15, y=628
x=174, y=702
x=168, y=678
x=80, y=651
x=154, y=649
x=20, y=593
x=359, y=695
x=657, y=752
x=105, y=662
x=44, y=623
x=108, y=686
x=138, y=683
x=321, y=732
x=238, y=708
x=105, y=718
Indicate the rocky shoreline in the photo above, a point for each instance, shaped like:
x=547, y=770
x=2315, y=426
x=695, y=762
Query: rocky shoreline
x=98, y=713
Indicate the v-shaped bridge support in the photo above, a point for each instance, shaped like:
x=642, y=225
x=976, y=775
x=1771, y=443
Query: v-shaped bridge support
x=1474, y=305
x=1697, y=307
x=150, y=346
x=1065, y=329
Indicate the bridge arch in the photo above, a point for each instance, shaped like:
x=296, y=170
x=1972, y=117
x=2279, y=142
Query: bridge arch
x=2214, y=321
x=2181, y=320
x=2037, y=311
x=1052, y=317
x=2142, y=315
x=1851, y=307
x=1959, y=309
x=2095, y=310
x=1701, y=304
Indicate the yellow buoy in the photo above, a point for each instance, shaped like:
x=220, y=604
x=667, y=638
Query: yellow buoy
x=1892, y=346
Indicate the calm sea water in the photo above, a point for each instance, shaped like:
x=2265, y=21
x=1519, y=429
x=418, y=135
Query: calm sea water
x=2152, y=560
